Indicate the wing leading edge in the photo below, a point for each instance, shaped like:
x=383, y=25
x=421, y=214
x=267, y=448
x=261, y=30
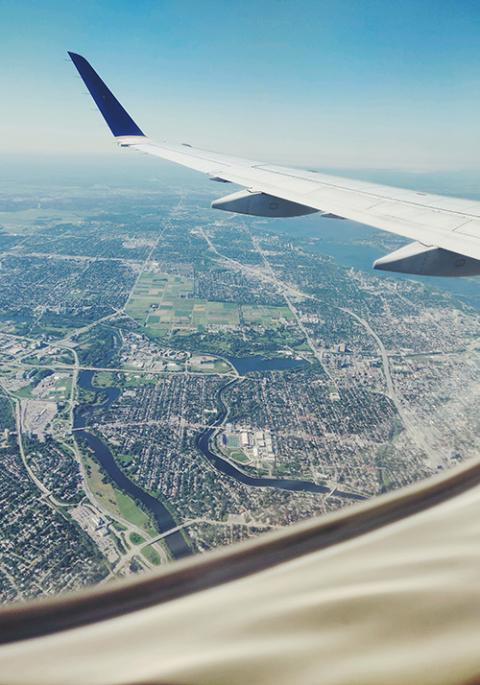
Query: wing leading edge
x=445, y=231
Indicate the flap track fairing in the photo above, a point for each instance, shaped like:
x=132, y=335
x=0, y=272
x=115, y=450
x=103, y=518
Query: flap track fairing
x=260, y=204
x=425, y=260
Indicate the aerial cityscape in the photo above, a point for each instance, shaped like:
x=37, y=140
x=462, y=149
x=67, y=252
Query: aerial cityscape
x=175, y=378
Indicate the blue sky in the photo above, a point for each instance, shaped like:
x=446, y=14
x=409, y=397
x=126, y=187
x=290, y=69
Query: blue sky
x=345, y=83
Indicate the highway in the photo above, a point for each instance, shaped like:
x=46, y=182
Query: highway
x=415, y=433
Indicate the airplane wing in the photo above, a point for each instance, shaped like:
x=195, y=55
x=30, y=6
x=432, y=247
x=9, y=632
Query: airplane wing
x=445, y=230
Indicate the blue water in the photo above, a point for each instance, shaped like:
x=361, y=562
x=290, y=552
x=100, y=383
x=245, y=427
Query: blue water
x=357, y=246
x=225, y=466
x=163, y=518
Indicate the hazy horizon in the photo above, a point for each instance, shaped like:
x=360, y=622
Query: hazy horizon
x=344, y=84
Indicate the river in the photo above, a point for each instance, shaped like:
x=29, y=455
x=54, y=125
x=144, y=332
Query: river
x=176, y=543
x=202, y=442
x=85, y=414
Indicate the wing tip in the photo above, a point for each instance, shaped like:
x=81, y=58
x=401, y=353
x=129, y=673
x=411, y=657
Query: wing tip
x=75, y=56
x=117, y=118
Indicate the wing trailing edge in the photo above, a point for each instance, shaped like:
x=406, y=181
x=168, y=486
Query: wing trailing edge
x=446, y=230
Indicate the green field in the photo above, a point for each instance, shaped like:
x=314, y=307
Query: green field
x=133, y=513
x=133, y=380
x=151, y=554
x=263, y=315
x=56, y=393
x=232, y=449
x=62, y=389
x=103, y=379
x=31, y=220
x=238, y=456
x=136, y=539
x=25, y=392
x=209, y=364
x=113, y=499
x=161, y=302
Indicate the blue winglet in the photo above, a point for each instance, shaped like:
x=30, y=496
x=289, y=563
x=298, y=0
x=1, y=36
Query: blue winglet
x=118, y=119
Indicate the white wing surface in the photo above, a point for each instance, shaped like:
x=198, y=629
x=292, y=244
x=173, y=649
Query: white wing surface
x=445, y=230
